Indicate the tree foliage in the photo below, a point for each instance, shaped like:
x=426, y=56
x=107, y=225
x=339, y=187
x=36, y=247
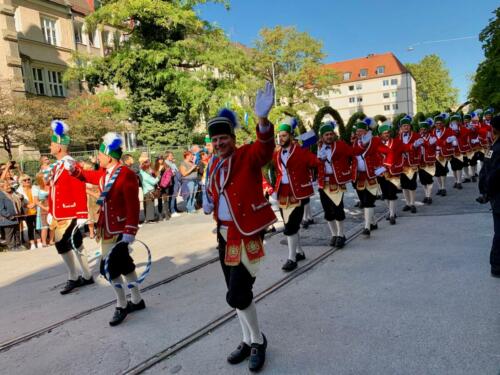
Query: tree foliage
x=484, y=91
x=175, y=67
x=296, y=58
x=434, y=84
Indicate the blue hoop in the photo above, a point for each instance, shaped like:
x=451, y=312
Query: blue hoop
x=140, y=279
x=72, y=238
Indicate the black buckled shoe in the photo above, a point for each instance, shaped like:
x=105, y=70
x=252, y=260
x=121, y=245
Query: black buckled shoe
x=466, y=180
x=413, y=209
x=241, y=353
x=300, y=256
x=455, y=185
x=439, y=192
x=426, y=200
x=392, y=220
x=366, y=232
x=70, y=285
x=84, y=281
x=333, y=241
x=310, y=221
x=119, y=316
x=131, y=307
x=406, y=208
x=305, y=224
x=340, y=242
x=373, y=226
x=257, y=356
x=443, y=193
x=459, y=186
x=429, y=200
x=290, y=265
x=474, y=179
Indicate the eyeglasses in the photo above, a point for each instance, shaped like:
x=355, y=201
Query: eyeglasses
x=27, y=180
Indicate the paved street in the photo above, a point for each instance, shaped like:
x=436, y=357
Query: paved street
x=415, y=298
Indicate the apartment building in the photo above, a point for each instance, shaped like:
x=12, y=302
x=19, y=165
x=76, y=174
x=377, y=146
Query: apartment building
x=378, y=84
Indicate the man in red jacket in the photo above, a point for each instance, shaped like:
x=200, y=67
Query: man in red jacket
x=118, y=221
x=427, y=167
x=334, y=172
x=460, y=143
x=411, y=159
x=234, y=195
x=67, y=209
x=293, y=185
x=444, y=151
x=368, y=164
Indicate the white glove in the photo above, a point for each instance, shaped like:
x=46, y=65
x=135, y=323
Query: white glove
x=419, y=142
x=69, y=163
x=432, y=140
x=322, y=153
x=49, y=219
x=273, y=197
x=81, y=222
x=451, y=139
x=208, y=206
x=264, y=101
x=380, y=170
x=366, y=138
x=128, y=238
x=474, y=141
x=454, y=126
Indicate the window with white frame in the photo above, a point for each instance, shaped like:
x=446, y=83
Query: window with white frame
x=97, y=39
x=395, y=106
x=385, y=82
x=363, y=73
x=394, y=81
x=359, y=86
x=347, y=76
x=78, y=27
x=394, y=94
x=49, y=30
x=352, y=99
x=380, y=70
x=56, y=86
x=386, y=95
x=39, y=81
x=387, y=107
x=106, y=39
x=351, y=88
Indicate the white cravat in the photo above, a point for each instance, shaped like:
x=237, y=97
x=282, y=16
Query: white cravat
x=285, y=153
x=223, y=209
x=328, y=161
x=361, y=163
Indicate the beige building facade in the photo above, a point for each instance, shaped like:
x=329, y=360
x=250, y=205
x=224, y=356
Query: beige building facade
x=376, y=85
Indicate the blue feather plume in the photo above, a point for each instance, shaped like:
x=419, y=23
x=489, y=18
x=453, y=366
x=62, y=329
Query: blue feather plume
x=59, y=127
x=230, y=115
x=294, y=123
x=430, y=121
x=113, y=141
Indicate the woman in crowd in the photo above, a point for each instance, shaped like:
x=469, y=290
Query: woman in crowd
x=42, y=207
x=30, y=197
x=175, y=185
x=189, y=185
x=10, y=208
x=159, y=170
x=148, y=184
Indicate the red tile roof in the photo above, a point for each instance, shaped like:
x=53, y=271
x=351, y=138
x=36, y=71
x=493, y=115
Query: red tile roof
x=391, y=64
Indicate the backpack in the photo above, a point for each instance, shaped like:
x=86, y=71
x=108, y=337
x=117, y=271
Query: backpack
x=166, y=178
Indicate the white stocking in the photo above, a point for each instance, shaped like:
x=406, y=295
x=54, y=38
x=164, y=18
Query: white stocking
x=406, y=194
x=249, y=315
x=333, y=228
x=121, y=299
x=368, y=217
x=340, y=227
x=244, y=328
x=307, y=212
x=69, y=260
x=392, y=208
x=81, y=256
x=413, y=196
x=293, y=241
x=442, y=182
x=135, y=295
x=299, y=248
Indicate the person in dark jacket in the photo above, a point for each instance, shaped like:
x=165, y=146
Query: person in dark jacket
x=489, y=182
x=10, y=205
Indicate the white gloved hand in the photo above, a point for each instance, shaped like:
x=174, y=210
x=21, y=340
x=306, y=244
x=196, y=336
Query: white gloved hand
x=81, y=222
x=454, y=126
x=128, y=238
x=264, y=101
x=380, y=170
x=432, y=140
x=69, y=163
x=474, y=141
x=323, y=153
x=419, y=142
x=49, y=219
x=366, y=138
x=451, y=139
x=208, y=206
x=273, y=197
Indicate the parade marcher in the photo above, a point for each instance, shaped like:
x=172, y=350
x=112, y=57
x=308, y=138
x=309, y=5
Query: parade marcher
x=67, y=209
x=118, y=221
x=489, y=181
x=411, y=159
x=475, y=149
x=234, y=195
x=485, y=139
x=367, y=165
x=390, y=180
x=294, y=185
x=444, y=151
x=427, y=167
x=334, y=172
x=461, y=145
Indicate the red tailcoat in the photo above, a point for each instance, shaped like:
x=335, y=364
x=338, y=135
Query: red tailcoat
x=341, y=164
x=485, y=134
x=444, y=148
x=68, y=196
x=463, y=138
x=120, y=211
x=427, y=151
x=298, y=167
x=373, y=155
x=242, y=185
x=395, y=167
x=411, y=156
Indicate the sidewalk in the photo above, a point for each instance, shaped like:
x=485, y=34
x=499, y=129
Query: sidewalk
x=415, y=298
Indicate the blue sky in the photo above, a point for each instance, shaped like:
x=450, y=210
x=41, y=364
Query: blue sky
x=355, y=28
